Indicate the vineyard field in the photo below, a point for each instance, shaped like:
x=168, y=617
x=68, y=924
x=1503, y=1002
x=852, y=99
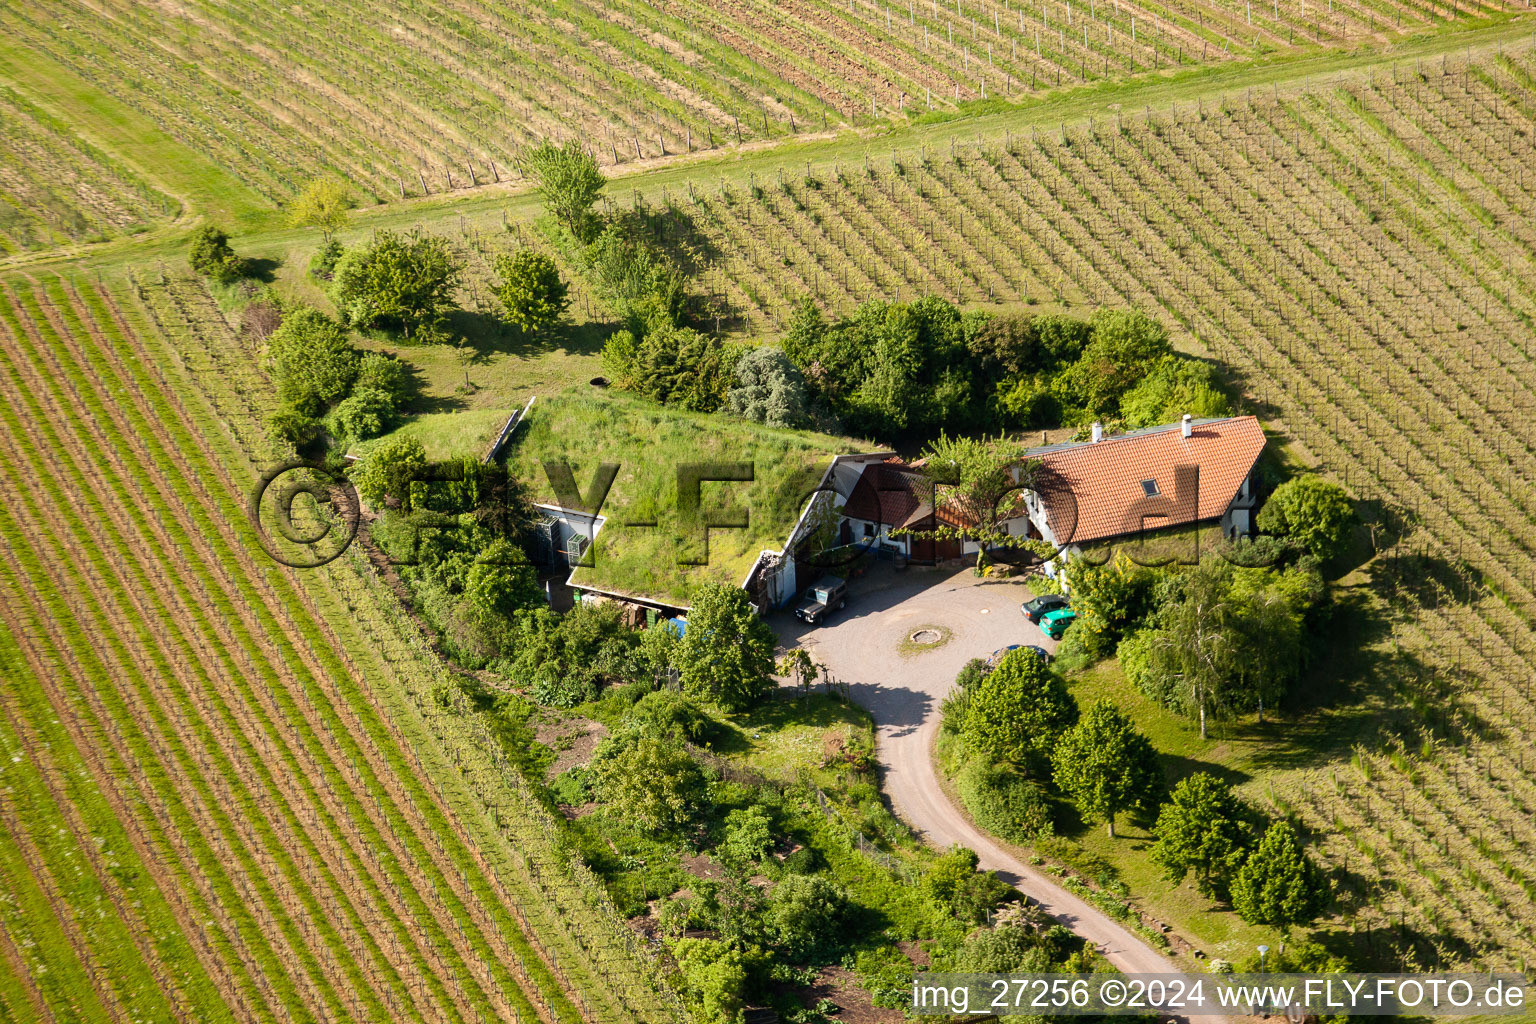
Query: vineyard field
x=57, y=188
x=404, y=99
x=222, y=802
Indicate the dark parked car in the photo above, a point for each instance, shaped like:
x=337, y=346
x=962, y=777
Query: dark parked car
x=829, y=594
x=1003, y=652
x=1035, y=609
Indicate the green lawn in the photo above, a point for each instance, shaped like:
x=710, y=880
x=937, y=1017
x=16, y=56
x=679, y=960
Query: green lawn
x=1335, y=706
x=587, y=426
x=783, y=738
x=446, y=435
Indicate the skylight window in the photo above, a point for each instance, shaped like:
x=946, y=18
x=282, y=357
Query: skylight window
x=1149, y=488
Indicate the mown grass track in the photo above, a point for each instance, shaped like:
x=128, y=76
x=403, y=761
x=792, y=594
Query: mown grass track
x=314, y=873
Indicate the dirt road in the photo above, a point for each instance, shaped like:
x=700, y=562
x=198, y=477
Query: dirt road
x=861, y=647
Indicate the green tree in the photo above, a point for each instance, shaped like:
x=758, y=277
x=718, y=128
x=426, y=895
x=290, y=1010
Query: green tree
x=726, y=652
x=980, y=483
x=1174, y=385
x=798, y=666
x=1199, y=647
x=533, y=298
x=641, y=282
x=1315, y=513
x=680, y=367
x=769, y=389
x=1126, y=343
x=715, y=978
x=211, y=255
x=748, y=835
x=1106, y=766
x=649, y=780
x=1205, y=828
x=376, y=473
x=311, y=359
x=323, y=204
x=569, y=180
x=807, y=915
x=1018, y=711
x=396, y=282
x=365, y=413
x=501, y=582
x=1229, y=640
x=1278, y=885
x=658, y=648
x=1110, y=600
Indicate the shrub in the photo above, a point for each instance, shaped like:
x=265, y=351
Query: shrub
x=566, y=659
x=376, y=473
x=365, y=413
x=640, y=282
x=667, y=713
x=322, y=265
x=954, y=881
x=679, y=366
x=748, y=835
x=1003, y=950
x=211, y=255
x=650, y=781
x=807, y=915
x=260, y=318
x=384, y=373
x=1004, y=802
x=533, y=298
x=714, y=979
x=311, y=359
x=292, y=425
x=395, y=282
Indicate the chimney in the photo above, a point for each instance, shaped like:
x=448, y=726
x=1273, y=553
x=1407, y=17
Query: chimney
x=1098, y=431
x=1187, y=427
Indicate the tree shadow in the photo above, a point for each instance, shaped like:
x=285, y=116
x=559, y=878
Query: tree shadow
x=1345, y=696
x=260, y=268
x=1177, y=768
x=488, y=335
